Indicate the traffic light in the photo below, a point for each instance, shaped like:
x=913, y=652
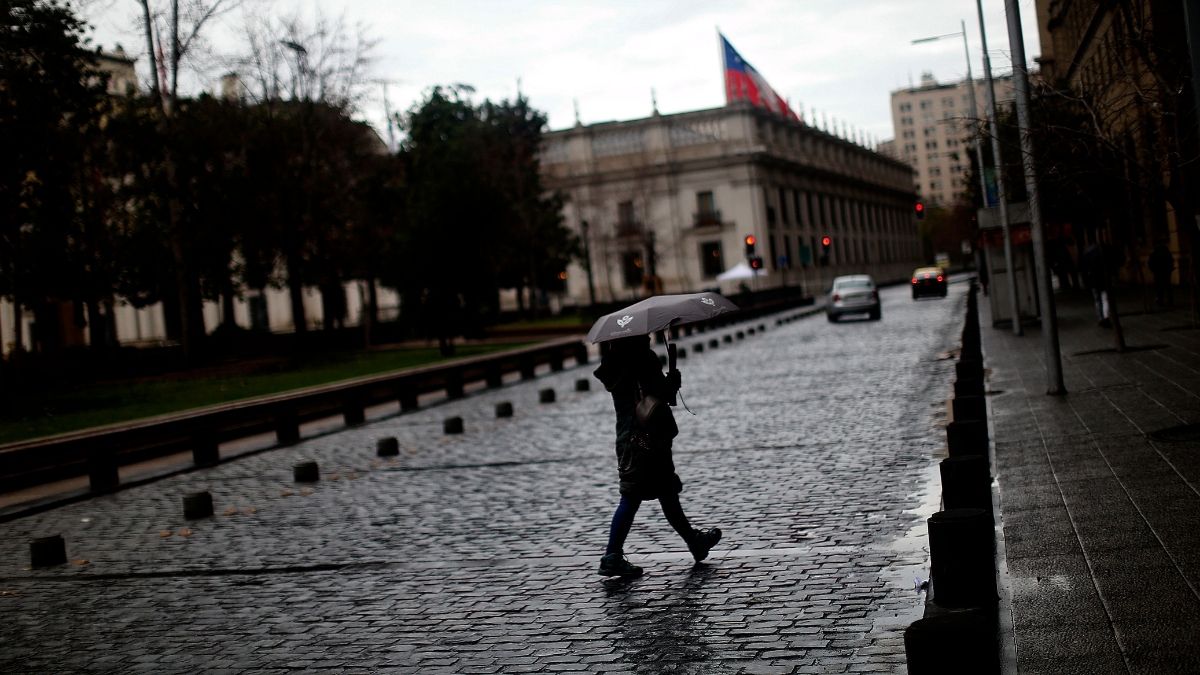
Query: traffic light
x=826, y=241
x=750, y=241
x=756, y=262
x=919, y=208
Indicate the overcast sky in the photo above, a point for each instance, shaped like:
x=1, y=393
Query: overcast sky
x=842, y=57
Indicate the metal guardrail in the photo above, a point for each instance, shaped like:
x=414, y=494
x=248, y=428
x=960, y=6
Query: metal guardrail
x=99, y=452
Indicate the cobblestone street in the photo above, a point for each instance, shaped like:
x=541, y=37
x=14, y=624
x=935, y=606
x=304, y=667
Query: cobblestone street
x=814, y=446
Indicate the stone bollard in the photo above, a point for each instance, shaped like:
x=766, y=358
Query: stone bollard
x=546, y=396
x=47, y=551
x=967, y=437
x=714, y=343
x=583, y=384
x=197, y=505
x=969, y=408
x=387, y=447
x=751, y=331
x=504, y=409
x=962, y=558
x=968, y=369
x=778, y=322
x=727, y=339
x=681, y=353
x=962, y=641
x=968, y=387
x=452, y=425
x=740, y=335
x=966, y=483
x=698, y=347
x=306, y=472
x=762, y=328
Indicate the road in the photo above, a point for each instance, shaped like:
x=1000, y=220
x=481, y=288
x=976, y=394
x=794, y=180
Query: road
x=813, y=446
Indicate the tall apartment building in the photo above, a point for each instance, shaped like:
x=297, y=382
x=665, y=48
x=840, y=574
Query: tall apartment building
x=676, y=195
x=932, y=125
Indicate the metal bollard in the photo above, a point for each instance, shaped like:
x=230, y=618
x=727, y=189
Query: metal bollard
x=966, y=483
x=583, y=384
x=714, y=343
x=197, y=505
x=967, y=437
x=963, y=641
x=698, y=347
x=681, y=353
x=306, y=472
x=962, y=558
x=969, y=408
x=388, y=446
x=546, y=396
x=47, y=551
x=504, y=409
x=452, y=425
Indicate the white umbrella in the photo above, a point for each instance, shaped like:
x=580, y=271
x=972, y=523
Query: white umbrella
x=738, y=271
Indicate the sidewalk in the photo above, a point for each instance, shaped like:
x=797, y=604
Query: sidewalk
x=1100, y=490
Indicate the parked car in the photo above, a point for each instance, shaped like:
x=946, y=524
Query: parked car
x=854, y=294
x=928, y=281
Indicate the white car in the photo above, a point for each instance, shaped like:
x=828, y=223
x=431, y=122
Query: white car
x=853, y=294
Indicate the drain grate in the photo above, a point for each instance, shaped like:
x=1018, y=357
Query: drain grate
x=1184, y=433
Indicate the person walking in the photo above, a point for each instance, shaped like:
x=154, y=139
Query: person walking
x=630, y=370
x=1161, y=264
x=1095, y=275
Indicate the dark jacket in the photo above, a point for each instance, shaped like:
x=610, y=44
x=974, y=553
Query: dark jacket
x=645, y=473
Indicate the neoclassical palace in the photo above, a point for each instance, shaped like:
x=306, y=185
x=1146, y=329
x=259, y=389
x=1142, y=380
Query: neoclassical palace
x=667, y=202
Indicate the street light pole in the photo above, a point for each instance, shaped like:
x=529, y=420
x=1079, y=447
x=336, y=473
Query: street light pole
x=1001, y=191
x=1016, y=41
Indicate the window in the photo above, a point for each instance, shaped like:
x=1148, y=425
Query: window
x=905, y=107
x=906, y=121
x=909, y=133
x=712, y=262
x=705, y=202
x=625, y=220
x=925, y=105
x=633, y=268
x=948, y=102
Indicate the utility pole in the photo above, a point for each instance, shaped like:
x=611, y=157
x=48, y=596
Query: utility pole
x=1001, y=192
x=1016, y=41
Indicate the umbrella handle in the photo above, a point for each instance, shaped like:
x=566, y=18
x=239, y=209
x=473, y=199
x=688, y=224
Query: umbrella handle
x=672, y=374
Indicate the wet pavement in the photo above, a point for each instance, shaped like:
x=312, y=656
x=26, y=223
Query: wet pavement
x=814, y=446
x=1100, y=491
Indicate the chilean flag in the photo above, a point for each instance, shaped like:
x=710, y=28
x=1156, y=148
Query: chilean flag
x=743, y=83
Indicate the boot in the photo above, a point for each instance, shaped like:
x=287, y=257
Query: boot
x=615, y=565
x=703, y=541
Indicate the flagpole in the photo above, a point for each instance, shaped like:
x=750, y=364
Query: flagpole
x=724, y=65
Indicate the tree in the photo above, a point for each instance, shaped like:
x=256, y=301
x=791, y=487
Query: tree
x=51, y=104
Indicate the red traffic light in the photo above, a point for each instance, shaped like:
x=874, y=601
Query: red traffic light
x=826, y=241
x=919, y=207
x=756, y=263
x=750, y=240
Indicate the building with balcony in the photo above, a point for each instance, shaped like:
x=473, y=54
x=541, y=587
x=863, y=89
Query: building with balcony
x=932, y=124
x=664, y=204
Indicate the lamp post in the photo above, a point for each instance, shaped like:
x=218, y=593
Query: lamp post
x=1016, y=42
x=1001, y=192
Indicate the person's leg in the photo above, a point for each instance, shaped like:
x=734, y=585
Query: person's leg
x=699, y=542
x=621, y=523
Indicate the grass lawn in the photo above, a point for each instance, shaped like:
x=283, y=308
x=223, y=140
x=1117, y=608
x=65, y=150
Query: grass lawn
x=101, y=403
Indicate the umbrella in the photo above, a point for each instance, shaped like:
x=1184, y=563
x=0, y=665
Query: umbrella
x=658, y=312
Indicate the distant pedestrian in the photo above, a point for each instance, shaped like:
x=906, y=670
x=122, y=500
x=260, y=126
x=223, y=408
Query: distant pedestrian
x=1161, y=264
x=630, y=370
x=1095, y=275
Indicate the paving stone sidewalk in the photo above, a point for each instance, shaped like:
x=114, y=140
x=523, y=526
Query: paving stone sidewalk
x=814, y=446
x=1100, y=491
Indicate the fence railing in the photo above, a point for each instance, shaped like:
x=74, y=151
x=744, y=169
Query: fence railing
x=99, y=452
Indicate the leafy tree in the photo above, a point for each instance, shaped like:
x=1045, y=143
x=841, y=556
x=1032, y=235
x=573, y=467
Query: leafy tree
x=51, y=101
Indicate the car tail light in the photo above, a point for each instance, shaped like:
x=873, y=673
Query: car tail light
x=874, y=295
x=836, y=297
x=939, y=277
x=914, y=280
